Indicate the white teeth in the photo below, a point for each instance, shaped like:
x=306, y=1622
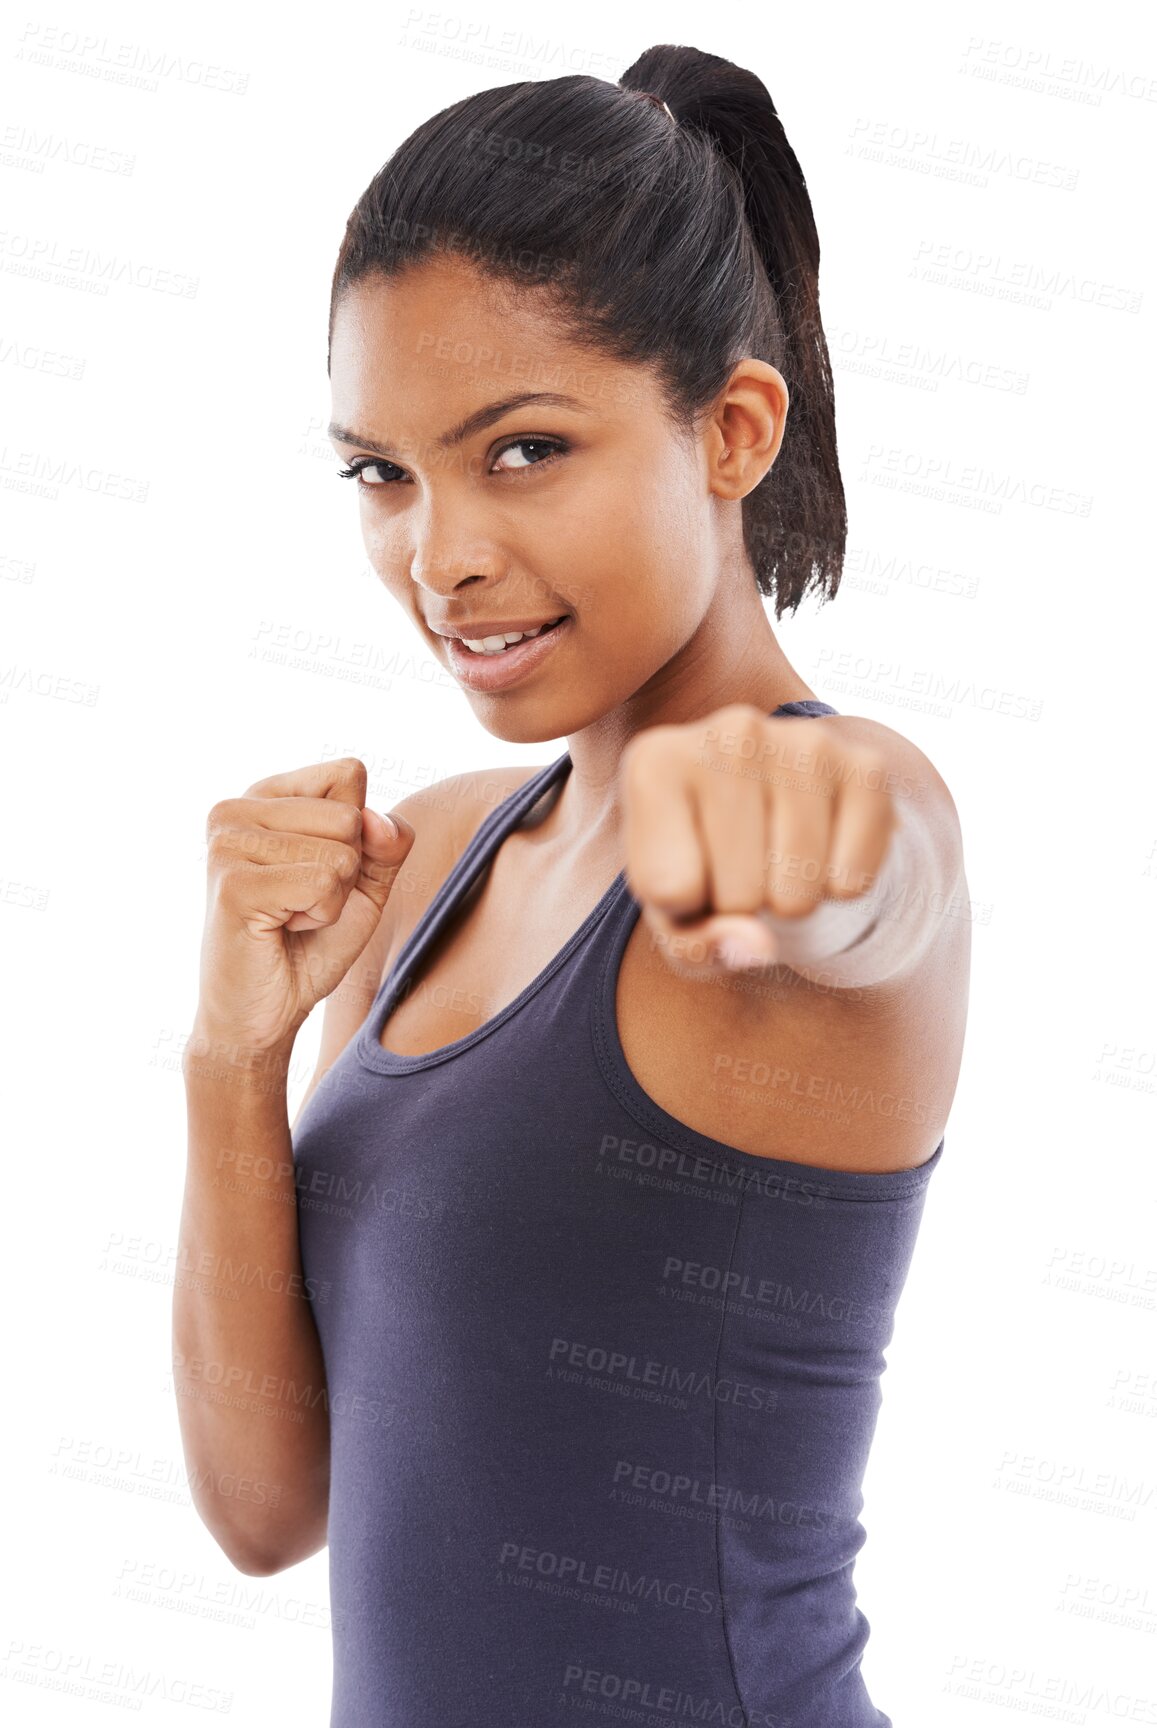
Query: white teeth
x=498, y=644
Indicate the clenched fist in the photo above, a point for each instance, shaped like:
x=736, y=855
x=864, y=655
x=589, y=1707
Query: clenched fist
x=299, y=875
x=743, y=814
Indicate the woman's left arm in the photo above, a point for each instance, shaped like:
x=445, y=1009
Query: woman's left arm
x=827, y=844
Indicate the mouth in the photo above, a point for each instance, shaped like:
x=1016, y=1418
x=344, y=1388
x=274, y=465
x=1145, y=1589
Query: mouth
x=504, y=666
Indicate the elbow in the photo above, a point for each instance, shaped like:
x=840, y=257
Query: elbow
x=256, y=1563
x=260, y=1551
x=244, y=1550
x=263, y=1560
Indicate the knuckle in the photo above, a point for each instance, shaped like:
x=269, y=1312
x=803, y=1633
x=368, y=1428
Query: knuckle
x=328, y=881
x=872, y=765
x=221, y=850
x=751, y=727
x=350, y=822
x=225, y=891
x=352, y=769
x=739, y=729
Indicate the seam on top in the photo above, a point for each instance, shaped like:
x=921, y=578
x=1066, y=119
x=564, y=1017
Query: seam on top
x=715, y=1467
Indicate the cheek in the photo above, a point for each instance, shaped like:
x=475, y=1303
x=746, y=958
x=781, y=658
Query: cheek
x=386, y=567
x=664, y=605
x=382, y=543
x=637, y=631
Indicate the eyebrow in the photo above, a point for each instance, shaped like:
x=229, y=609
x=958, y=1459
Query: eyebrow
x=475, y=422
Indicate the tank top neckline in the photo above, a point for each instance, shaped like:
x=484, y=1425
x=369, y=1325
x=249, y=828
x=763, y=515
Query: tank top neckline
x=477, y=857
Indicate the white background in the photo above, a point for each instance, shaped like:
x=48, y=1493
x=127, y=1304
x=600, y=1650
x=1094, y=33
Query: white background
x=995, y=608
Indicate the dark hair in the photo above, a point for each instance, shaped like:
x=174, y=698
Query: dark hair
x=687, y=243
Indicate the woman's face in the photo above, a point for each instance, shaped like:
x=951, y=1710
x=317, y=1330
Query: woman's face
x=585, y=504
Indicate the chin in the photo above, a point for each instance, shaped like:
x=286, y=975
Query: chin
x=525, y=728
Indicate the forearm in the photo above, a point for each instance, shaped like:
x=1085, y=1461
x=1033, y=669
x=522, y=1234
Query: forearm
x=247, y=1363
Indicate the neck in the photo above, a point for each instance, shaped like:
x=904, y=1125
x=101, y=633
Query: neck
x=733, y=658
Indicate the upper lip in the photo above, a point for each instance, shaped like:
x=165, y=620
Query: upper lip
x=476, y=630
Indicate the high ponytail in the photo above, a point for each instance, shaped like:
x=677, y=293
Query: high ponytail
x=679, y=237
x=800, y=504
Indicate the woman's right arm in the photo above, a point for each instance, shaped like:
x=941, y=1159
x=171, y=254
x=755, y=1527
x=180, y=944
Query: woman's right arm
x=247, y=1364
x=297, y=892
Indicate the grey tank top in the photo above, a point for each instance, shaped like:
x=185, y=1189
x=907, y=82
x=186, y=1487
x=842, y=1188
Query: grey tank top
x=601, y=1388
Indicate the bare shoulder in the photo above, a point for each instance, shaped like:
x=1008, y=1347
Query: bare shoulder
x=913, y=778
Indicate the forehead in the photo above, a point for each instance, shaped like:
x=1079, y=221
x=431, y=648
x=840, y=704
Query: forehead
x=444, y=333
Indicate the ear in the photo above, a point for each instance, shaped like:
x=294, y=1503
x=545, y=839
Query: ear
x=746, y=428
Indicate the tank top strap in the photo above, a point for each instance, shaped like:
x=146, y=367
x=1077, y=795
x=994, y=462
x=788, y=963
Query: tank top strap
x=809, y=708
x=475, y=857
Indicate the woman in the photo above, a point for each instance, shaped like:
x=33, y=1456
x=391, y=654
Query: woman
x=600, y=1214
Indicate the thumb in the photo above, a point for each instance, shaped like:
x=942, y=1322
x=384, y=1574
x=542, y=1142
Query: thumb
x=385, y=846
x=383, y=834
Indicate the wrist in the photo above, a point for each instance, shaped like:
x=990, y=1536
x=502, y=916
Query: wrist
x=222, y=1055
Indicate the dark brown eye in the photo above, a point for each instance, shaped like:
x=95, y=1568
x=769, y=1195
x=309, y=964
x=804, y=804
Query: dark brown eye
x=358, y=467
x=550, y=446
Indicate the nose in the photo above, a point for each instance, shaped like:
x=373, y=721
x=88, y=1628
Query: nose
x=448, y=552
